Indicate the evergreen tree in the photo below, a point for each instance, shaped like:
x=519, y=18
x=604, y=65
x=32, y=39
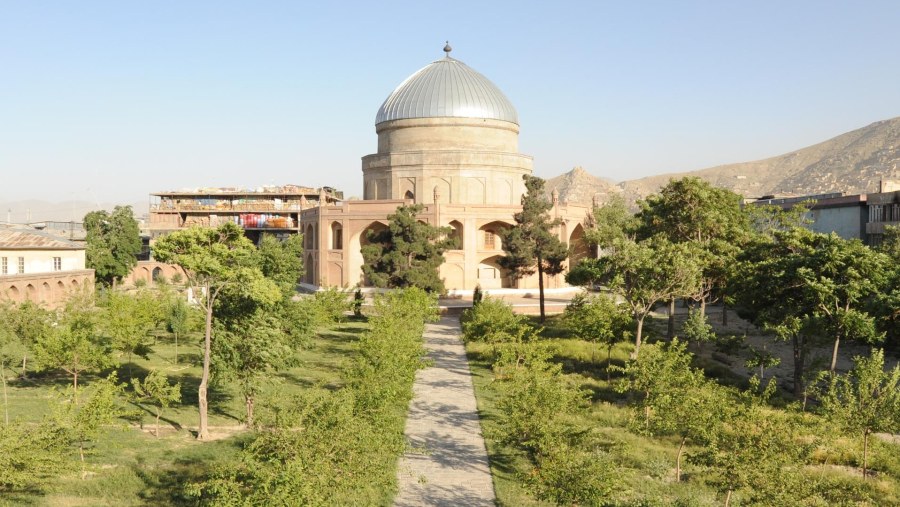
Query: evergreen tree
x=531, y=244
x=407, y=253
x=113, y=243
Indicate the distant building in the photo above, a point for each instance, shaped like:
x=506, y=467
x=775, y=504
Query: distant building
x=40, y=267
x=845, y=215
x=883, y=210
x=267, y=209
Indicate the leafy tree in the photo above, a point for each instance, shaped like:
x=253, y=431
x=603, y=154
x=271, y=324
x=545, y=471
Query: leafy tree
x=697, y=329
x=407, y=253
x=611, y=222
x=597, y=319
x=282, y=261
x=762, y=359
x=249, y=350
x=75, y=345
x=643, y=274
x=213, y=260
x=711, y=219
x=531, y=244
x=23, y=323
x=30, y=454
x=84, y=422
x=866, y=400
x=113, y=243
x=128, y=320
x=156, y=390
x=177, y=318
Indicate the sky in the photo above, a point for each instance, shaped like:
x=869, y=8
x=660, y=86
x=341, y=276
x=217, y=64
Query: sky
x=109, y=101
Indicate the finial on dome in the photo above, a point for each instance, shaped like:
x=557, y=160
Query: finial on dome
x=447, y=49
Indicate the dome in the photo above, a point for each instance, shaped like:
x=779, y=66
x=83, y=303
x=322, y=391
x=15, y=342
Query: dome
x=447, y=88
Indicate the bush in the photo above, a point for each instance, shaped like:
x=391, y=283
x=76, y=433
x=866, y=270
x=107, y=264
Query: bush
x=491, y=321
x=570, y=475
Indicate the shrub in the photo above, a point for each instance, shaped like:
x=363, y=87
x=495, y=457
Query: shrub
x=570, y=475
x=491, y=321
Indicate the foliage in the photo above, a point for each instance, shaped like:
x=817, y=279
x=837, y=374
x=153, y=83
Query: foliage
x=865, y=400
x=477, y=295
x=31, y=454
x=531, y=244
x=491, y=321
x=407, y=253
x=697, y=329
x=572, y=475
x=610, y=223
x=357, y=304
x=128, y=319
x=157, y=391
x=75, y=344
x=762, y=359
x=329, y=306
x=216, y=260
x=599, y=320
x=113, y=243
x=282, y=261
x=177, y=317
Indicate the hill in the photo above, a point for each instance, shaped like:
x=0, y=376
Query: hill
x=580, y=186
x=852, y=163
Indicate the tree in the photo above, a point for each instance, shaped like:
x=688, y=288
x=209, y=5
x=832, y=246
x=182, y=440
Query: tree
x=697, y=329
x=24, y=323
x=31, y=454
x=75, y=344
x=177, y=318
x=643, y=274
x=248, y=350
x=214, y=259
x=85, y=421
x=597, y=319
x=531, y=245
x=407, y=253
x=611, y=222
x=113, y=243
x=866, y=400
x=128, y=320
x=282, y=261
x=156, y=390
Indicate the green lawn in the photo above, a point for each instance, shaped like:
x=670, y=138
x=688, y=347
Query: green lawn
x=130, y=466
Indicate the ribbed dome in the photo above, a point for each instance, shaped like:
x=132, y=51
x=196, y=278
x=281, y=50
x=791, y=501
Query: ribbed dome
x=447, y=88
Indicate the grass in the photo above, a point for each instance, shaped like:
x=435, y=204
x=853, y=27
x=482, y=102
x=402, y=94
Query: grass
x=645, y=465
x=129, y=465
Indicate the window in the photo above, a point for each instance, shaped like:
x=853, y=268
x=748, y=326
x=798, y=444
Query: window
x=4, y=266
x=21, y=265
x=489, y=240
x=57, y=264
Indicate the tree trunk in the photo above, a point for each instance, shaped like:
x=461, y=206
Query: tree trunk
x=176, y=348
x=703, y=306
x=158, y=413
x=670, y=332
x=637, y=335
x=724, y=312
x=728, y=498
x=24, y=362
x=678, y=460
x=203, y=431
x=608, y=361
x=865, y=454
x=81, y=454
x=834, y=352
x=5, y=399
x=75, y=387
x=540, y=266
x=249, y=402
x=798, y=366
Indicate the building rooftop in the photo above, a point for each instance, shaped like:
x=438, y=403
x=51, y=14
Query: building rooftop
x=22, y=239
x=447, y=88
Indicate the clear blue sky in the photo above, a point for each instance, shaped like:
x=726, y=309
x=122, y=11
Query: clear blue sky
x=112, y=100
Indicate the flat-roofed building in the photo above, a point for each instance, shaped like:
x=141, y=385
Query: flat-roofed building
x=40, y=267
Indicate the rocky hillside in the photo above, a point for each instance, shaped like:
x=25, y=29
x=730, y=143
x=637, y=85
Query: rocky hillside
x=851, y=163
x=580, y=186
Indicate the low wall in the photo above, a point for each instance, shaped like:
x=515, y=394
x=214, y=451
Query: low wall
x=50, y=289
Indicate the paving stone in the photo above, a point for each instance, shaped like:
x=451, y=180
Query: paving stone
x=448, y=463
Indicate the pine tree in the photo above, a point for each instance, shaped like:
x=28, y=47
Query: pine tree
x=531, y=245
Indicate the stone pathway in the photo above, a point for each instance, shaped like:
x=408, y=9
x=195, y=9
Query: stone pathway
x=448, y=463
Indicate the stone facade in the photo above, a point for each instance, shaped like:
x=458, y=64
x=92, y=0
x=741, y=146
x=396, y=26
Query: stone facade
x=40, y=267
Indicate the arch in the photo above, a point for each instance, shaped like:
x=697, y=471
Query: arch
x=578, y=248
x=492, y=276
x=30, y=292
x=74, y=283
x=13, y=293
x=144, y=274
x=489, y=239
x=308, y=238
x=156, y=273
x=442, y=189
x=45, y=292
x=309, y=275
x=354, y=255
x=409, y=196
x=457, y=235
x=337, y=236
x=454, y=276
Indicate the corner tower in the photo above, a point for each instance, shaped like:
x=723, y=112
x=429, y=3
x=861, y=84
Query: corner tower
x=447, y=135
